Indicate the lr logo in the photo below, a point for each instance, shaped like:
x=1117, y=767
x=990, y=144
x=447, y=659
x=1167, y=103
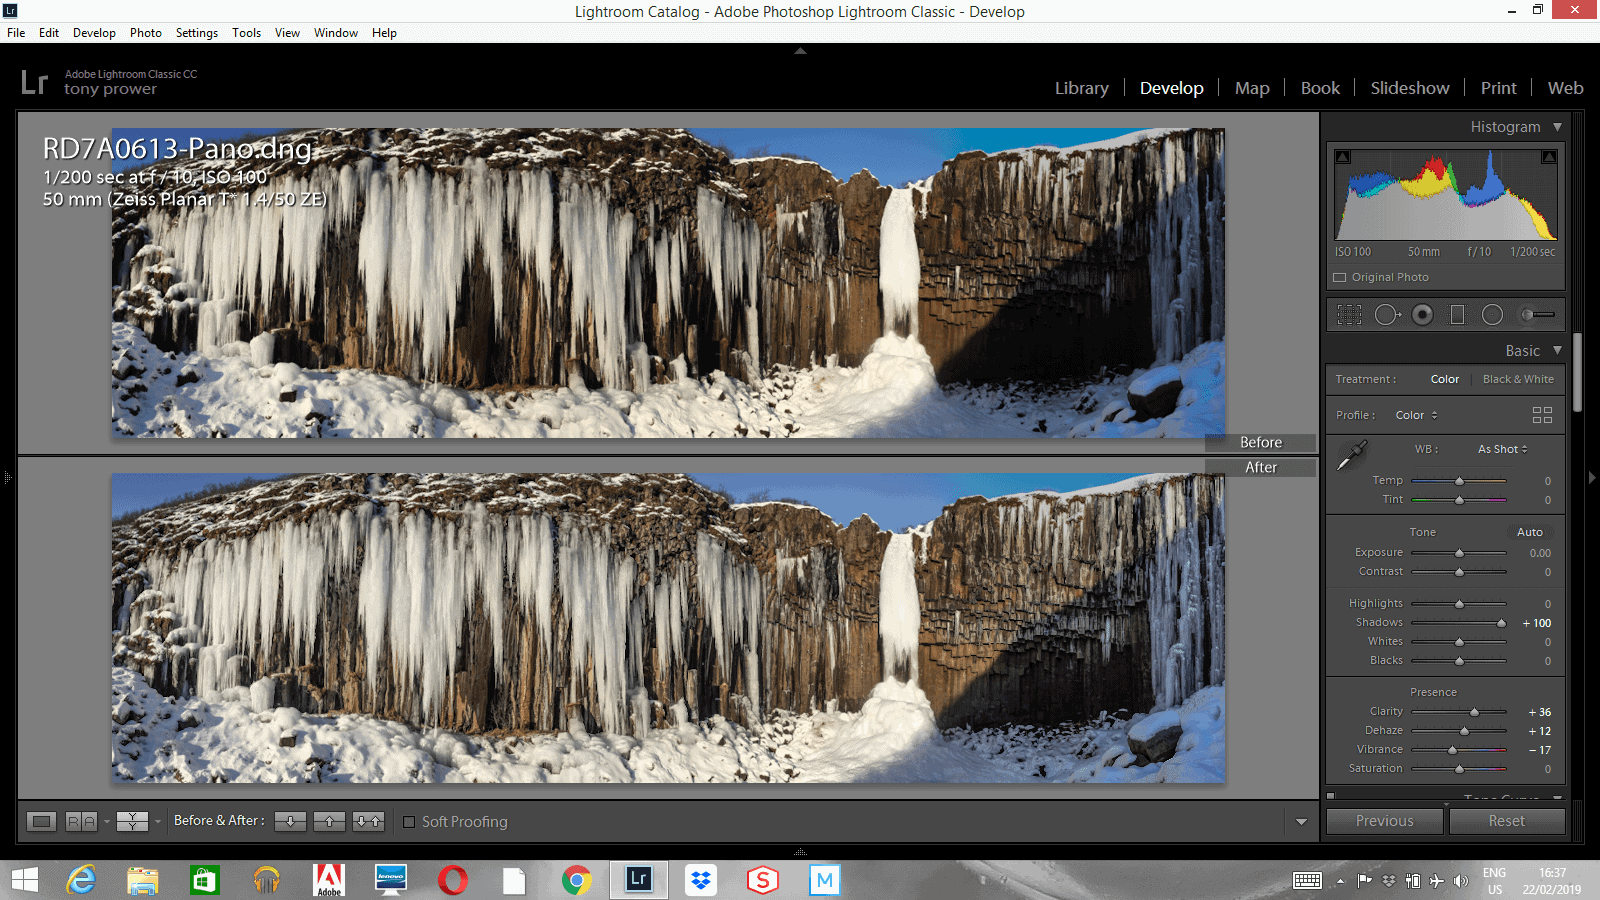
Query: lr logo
x=40, y=81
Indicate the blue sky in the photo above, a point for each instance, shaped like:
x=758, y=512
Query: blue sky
x=895, y=155
x=894, y=500
x=130, y=491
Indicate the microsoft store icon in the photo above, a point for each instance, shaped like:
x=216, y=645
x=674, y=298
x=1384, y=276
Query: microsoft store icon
x=205, y=880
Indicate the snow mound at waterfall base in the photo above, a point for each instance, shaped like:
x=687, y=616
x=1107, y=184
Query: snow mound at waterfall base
x=892, y=394
x=892, y=739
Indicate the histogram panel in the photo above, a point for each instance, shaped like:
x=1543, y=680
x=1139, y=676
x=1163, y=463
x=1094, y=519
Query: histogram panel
x=1447, y=195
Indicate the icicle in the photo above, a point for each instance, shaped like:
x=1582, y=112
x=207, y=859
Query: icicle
x=731, y=597
x=216, y=327
x=1179, y=276
x=597, y=239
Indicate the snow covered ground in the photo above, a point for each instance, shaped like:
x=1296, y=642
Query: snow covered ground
x=892, y=739
x=893, y=393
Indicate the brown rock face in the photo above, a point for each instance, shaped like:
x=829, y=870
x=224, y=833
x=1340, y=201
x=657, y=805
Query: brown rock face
x=527, y=250
x=529, y=602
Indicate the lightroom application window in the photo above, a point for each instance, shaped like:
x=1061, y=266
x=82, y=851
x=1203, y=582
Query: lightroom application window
x=792, y=451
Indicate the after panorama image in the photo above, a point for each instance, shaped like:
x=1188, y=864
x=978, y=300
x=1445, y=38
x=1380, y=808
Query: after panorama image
x=731, y=628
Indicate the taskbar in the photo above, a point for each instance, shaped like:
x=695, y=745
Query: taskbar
x=779, y=878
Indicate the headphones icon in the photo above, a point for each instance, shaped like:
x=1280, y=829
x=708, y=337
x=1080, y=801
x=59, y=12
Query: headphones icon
x=266, y=879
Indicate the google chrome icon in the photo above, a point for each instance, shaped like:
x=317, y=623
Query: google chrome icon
x=577, y=880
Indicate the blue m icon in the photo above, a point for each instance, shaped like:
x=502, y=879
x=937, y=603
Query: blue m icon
x=826, y=879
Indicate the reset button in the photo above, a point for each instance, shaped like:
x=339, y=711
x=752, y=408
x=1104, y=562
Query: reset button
x=1508, y=821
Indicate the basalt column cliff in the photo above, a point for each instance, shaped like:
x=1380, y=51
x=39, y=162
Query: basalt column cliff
x=482, y=257
x=537, y=602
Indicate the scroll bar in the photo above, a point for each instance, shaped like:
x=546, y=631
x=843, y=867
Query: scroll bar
x=1577, y=371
